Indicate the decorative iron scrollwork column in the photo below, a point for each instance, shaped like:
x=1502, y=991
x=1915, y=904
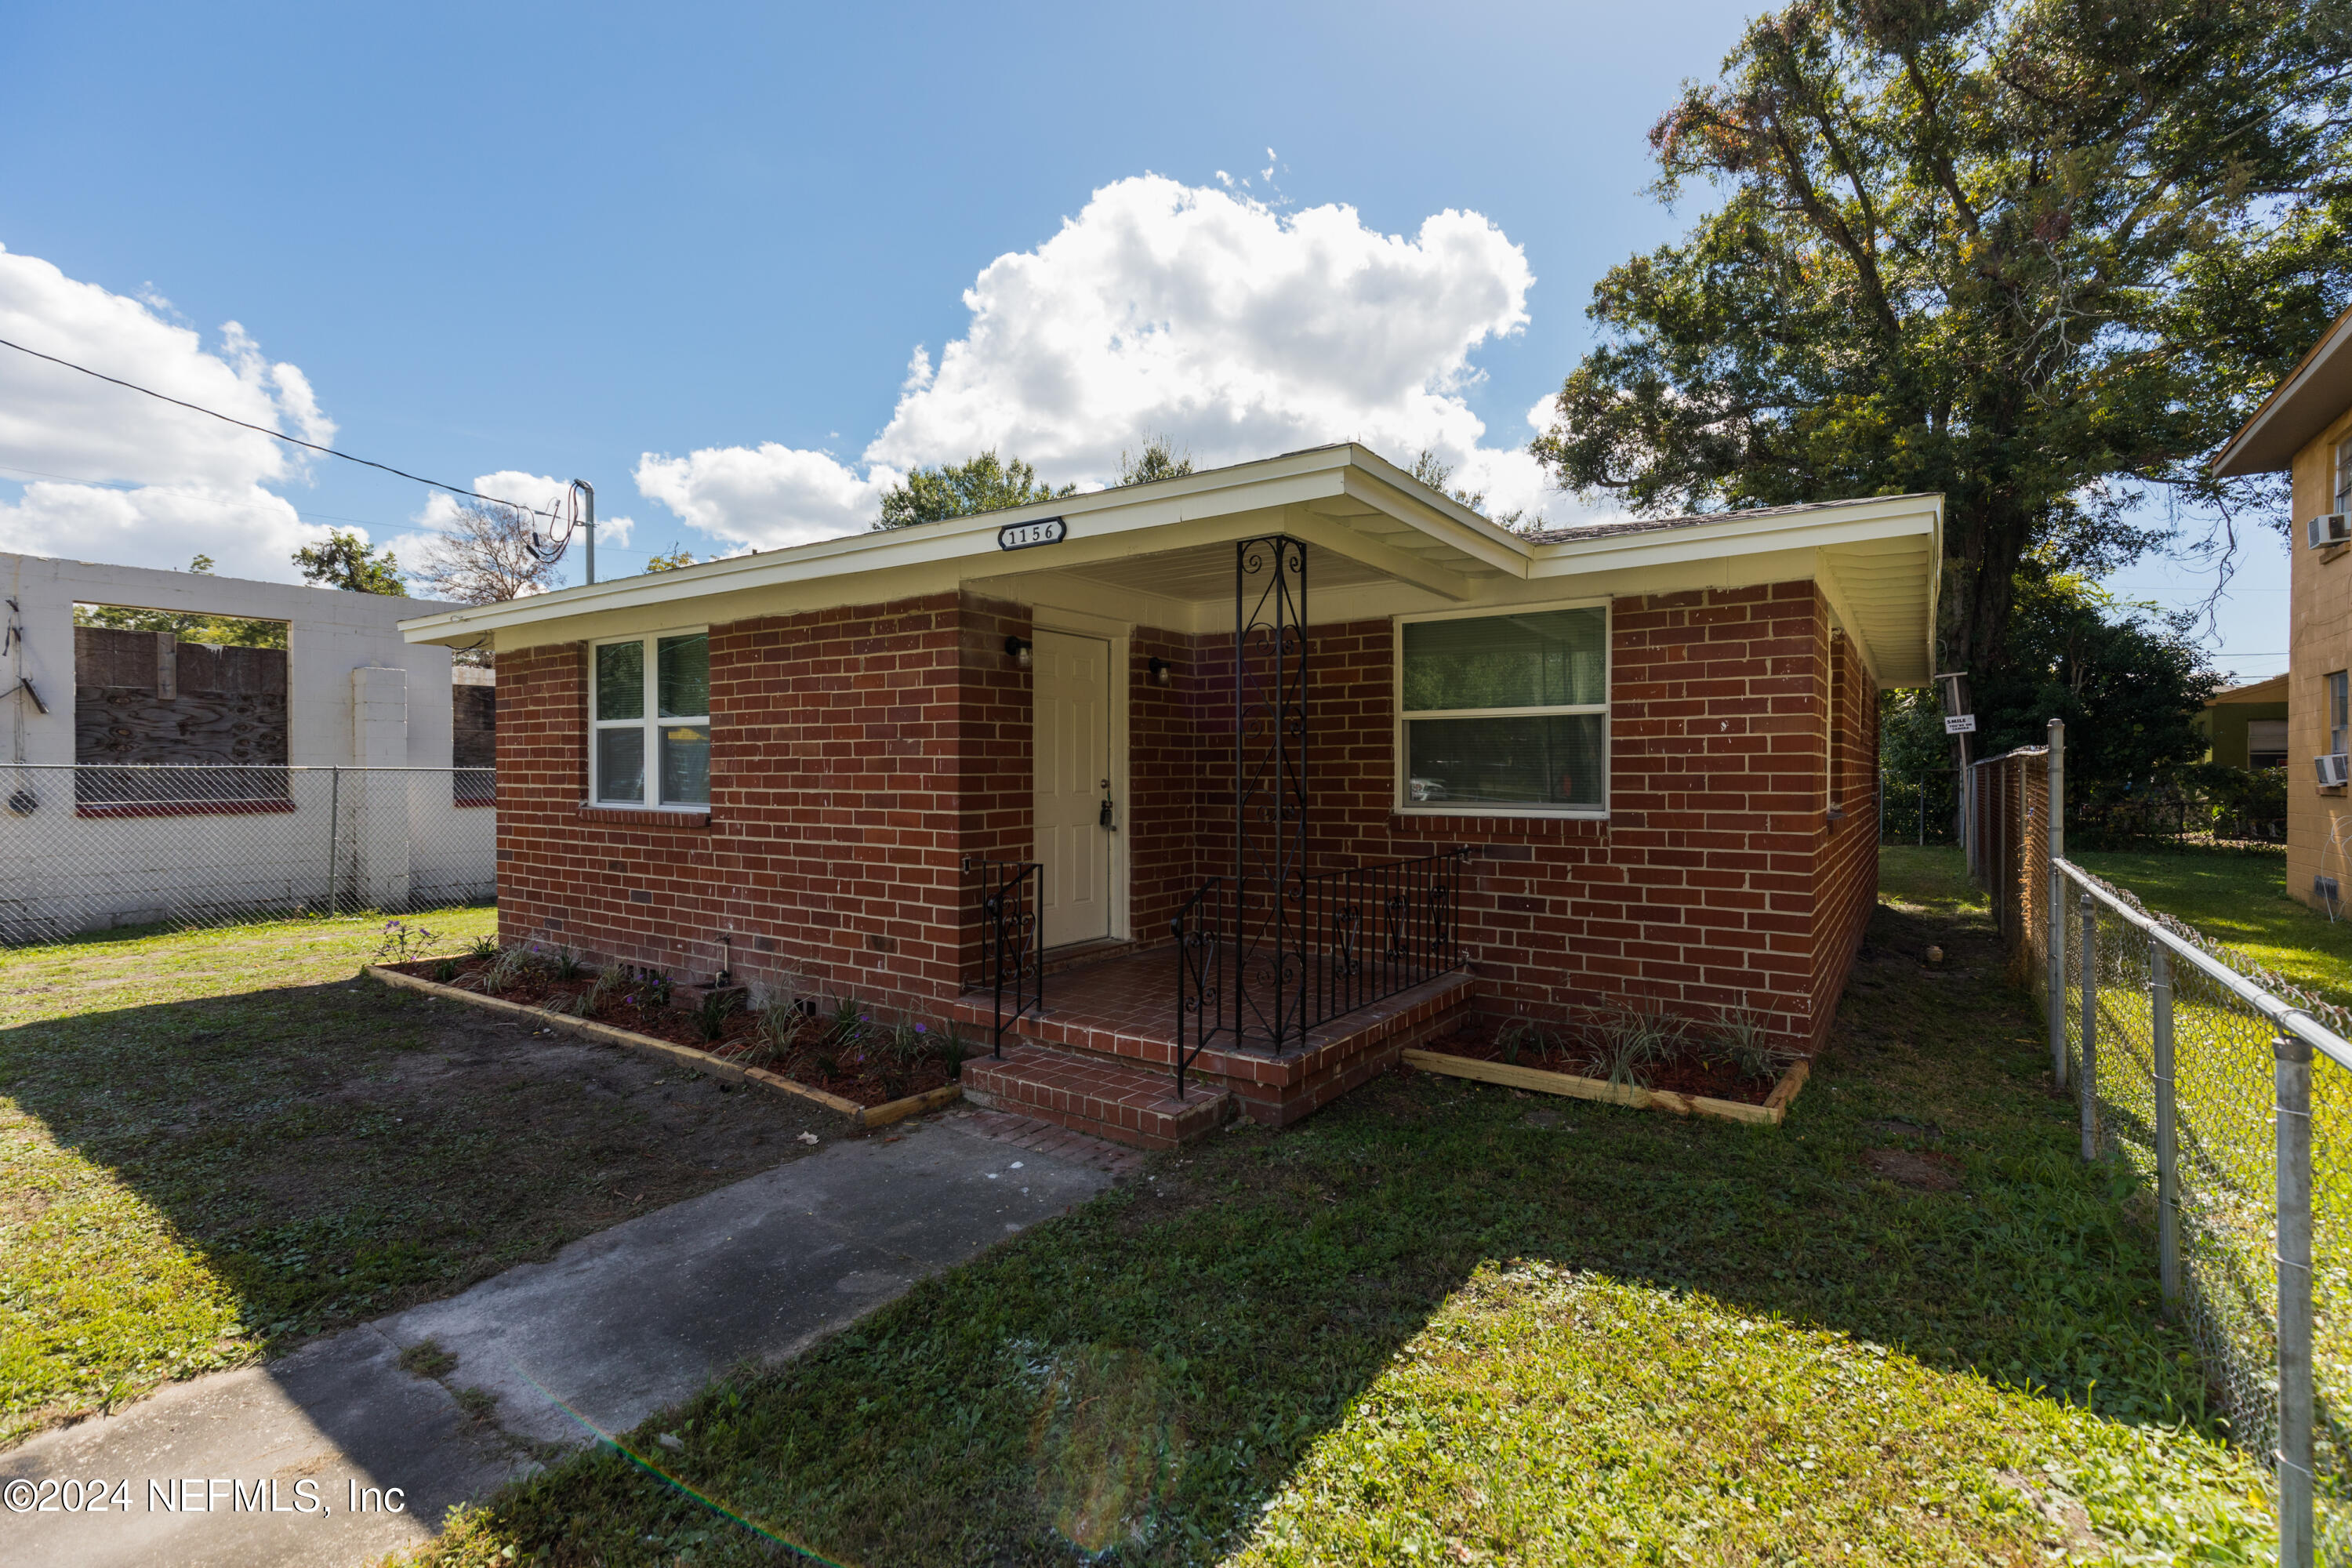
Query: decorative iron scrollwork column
x=1270, y=790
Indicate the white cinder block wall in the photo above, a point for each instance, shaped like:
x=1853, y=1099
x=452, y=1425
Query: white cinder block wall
x=330, y=635
x=357, y=695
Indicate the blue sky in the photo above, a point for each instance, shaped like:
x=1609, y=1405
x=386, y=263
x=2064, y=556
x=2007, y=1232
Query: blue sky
x=548, y=241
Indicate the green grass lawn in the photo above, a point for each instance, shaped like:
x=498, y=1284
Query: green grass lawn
x=216, y=1144
x=2238, y=896
x=1447, y=1323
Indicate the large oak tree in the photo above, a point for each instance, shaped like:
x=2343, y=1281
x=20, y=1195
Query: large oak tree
x=2043, y=256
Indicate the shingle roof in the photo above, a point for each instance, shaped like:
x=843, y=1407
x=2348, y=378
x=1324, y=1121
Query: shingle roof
x=1689, y=519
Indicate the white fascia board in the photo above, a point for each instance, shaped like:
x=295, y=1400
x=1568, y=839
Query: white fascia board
x=1103, y=525
x=1379, y=483
x=1835, y=524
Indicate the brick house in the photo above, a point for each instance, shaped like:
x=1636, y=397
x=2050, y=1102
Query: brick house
x=2304, y=429
x=1090, y=741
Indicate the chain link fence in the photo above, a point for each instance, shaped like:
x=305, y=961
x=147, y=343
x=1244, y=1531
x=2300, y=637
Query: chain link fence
x=1918, y=808
x=2228, y=1092
x=84, y=847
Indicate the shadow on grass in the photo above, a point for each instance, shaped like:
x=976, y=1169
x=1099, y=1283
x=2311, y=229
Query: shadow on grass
x=190, y=1184
x=1230, y=1306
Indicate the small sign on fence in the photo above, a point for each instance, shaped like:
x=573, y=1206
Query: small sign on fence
x=1959, y=725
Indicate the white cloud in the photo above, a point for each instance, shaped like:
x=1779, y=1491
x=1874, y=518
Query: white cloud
x=1161, y=308
x=142, y=481
x=767, y=496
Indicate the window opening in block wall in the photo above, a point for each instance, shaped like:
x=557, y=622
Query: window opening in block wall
x=1504, y=714
x=177, y=706
x=651, y=718
x=2340, y=711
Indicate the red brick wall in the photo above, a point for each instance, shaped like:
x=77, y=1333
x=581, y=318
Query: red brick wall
x=857, y=757
x=1718, y=880
x=861, y=757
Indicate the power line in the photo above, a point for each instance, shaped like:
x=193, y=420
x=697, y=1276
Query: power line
x=273, y=435
x=140, y=485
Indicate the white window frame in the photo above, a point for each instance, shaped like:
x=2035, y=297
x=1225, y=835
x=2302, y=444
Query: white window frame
x=1401, y=799
x=2343, y=496
x=2337, y=685
x=649, y=721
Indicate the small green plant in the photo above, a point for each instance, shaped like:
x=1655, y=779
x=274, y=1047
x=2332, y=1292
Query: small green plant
x=712, y=1014
x=1525, y=1034
x=445, y=970
x=1753, y=1048
x=1629, y=1042
x=653, y=987
x=403, y=941
x=567, y=963
x=599, y=995
x=953, y=1049
x=784, y=1027
x=484, y=947
x=508, y=969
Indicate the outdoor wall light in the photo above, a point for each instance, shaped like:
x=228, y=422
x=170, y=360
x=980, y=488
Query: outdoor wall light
x=1158, y=669
x=1017, y=650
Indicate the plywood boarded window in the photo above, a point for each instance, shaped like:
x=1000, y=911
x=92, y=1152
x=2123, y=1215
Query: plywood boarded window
x=473, y=733
x=212, y=718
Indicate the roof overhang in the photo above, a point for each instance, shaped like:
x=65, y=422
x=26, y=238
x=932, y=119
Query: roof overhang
x=2314, y=396
x=1378, y=534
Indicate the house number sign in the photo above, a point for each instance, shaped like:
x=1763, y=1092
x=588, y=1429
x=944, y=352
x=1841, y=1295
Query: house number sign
x=1027, y=535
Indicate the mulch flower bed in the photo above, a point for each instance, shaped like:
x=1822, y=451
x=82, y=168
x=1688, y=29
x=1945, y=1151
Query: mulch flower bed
x=861, y=1059
x=1692, y=1059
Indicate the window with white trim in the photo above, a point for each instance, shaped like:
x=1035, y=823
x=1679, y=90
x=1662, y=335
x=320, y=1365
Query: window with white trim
x=2340, y=711
x=1504, y=714
x=2344, y=475
x=650, y=719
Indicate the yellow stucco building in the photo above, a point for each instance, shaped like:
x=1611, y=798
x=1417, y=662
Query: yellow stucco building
x=2304, y=430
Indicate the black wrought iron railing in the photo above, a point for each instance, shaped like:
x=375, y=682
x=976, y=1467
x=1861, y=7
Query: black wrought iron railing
x=1345, y=940
x=1375, y=931
x=1012, y=935
x=1199, y=929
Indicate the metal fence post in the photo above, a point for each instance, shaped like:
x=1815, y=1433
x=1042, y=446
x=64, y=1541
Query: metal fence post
x=2053, y=924
x=2294, y=1393
x=2086, y=1086
x=334, y=839
x=2167, y=1166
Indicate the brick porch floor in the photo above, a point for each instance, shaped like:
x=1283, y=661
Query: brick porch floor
x=1124, y=1007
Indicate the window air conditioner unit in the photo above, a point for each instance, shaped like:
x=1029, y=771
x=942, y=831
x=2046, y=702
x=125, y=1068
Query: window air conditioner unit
x=2330, y=529
x=2331, y=770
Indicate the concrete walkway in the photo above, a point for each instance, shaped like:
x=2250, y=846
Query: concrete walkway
x=274, y=1464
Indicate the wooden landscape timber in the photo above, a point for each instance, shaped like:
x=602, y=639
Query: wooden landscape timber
x=1769, y=1114
x=683, y=1056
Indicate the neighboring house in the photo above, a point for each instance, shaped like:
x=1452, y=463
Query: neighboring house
x=151, y=775
x=2304, y=430
x=1304, y=754
x=2245, y=726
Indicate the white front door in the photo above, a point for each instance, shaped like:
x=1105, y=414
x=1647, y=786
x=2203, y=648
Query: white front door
x=1073, y=751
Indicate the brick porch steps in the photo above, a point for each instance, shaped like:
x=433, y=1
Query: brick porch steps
x=1096, y=1095
x=1121, y=1011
